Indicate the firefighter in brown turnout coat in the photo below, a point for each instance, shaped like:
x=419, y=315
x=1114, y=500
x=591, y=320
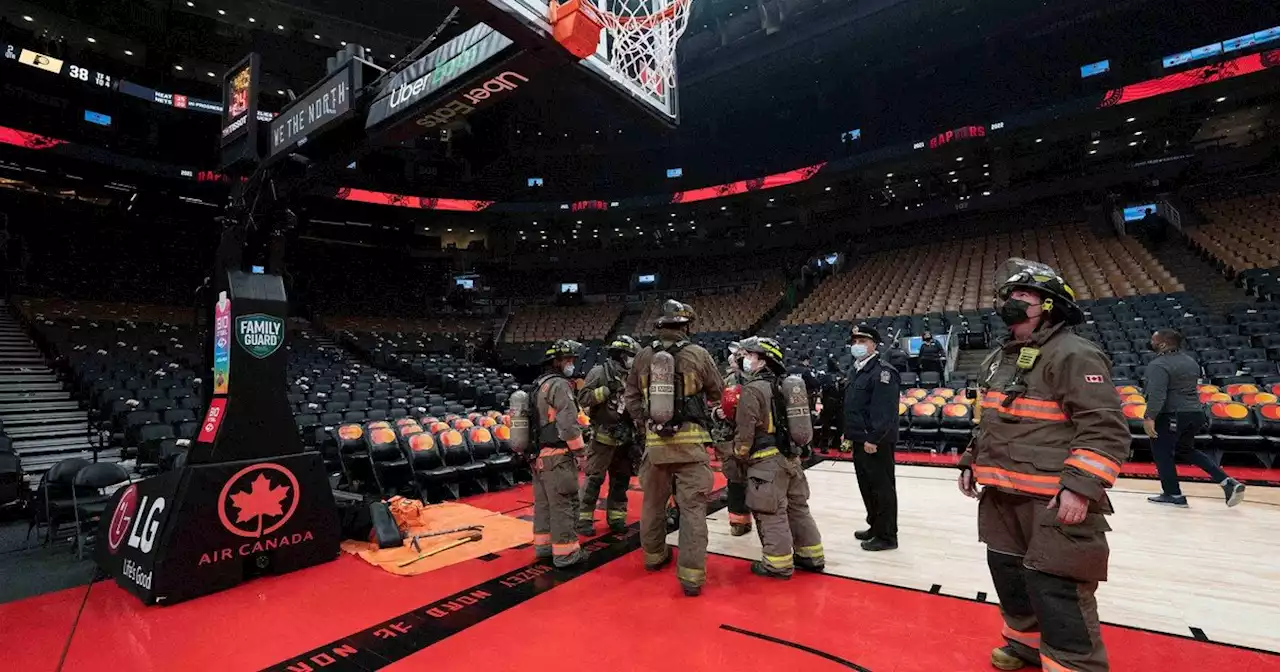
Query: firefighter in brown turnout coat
x=734, y=469
x=555, y=472
x=1050, y=442
x=667, y=392
x=777, y=490
x=612, y=441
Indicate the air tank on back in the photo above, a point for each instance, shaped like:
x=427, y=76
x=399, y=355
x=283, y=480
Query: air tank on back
x=799, y=420
x=518, y=410
x=662, y=387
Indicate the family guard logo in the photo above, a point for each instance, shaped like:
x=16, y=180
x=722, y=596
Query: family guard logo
x=260, y=335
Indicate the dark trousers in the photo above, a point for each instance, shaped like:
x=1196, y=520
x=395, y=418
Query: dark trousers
x=1176, y=438
x=879, y=490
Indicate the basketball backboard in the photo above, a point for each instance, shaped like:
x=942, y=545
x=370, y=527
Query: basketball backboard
x=660, y=101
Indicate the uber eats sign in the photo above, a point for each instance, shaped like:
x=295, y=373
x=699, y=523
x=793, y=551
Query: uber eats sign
x=260, y=335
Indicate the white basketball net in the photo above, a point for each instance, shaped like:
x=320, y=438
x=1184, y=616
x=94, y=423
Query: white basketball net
x=642, y=42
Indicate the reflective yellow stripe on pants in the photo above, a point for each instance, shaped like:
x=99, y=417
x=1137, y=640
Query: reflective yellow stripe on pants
x=810, y=552
x=779, y=562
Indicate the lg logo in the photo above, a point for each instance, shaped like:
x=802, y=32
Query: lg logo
x=142, y=530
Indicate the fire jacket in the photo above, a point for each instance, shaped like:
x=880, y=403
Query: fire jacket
x=557, y=415
x=601, y=397
x=698, y=375
x=1055, y=425
x=754, y=435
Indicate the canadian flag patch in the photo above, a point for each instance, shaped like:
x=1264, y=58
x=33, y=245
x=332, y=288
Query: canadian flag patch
x=1093, y=379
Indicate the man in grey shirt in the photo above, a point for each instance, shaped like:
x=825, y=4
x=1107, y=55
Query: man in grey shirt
x=1174, y=417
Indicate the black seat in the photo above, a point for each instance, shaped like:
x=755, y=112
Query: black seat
x=11, y=487
x=457, y=454
x=88, y=500
x=956, y=424
x=484, y=449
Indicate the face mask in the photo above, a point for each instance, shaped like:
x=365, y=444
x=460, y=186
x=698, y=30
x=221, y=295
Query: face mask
x=858, y=350
x=568, y=369
x=630, y=361
x=1014, y=311
x=750, y=365
x=928, y=339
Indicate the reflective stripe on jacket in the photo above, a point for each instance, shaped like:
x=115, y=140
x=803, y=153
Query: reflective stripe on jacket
x=1061, y=428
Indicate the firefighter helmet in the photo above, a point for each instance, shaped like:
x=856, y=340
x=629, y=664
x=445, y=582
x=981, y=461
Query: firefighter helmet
x=675, y=313
x=561, y=348
x=1057, y=295
x=624, y=344
x=765, y=347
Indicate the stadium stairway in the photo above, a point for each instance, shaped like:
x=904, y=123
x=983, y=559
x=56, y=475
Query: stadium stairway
x=37, y=412
x=968, y=364
x=1199, y=276
x=628, y=322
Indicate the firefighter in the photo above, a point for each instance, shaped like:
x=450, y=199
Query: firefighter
x=612, y=444
x=870, y=433
x=1050, y=440
x=555, y=471
x=777, y=490
x=734, y=470
x=674, y=417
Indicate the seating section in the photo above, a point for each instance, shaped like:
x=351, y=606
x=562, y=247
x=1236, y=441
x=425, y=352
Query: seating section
x=960, y=275
x=1240, y=233
x=540, y=324
x=1243, y=418
x=729, y=313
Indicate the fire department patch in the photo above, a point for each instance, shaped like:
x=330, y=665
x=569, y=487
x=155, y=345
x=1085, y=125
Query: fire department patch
x=1093, y=379
x=885, y=377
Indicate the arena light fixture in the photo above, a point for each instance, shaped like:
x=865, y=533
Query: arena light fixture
x=449, y=230
x=190, y=4
x=952, y=173
x=1130, y=120
x=343, y=43
x=128, y=53
x=1220, y=99
x=888, y=174
x=317, y=36
x=959, y=158
x=252, y=20
x=1093, y=151
x=721, y=207
x=1039, y=140
x=210, y=74
x=1137, y=132
x=1133, y=144
x=27, y=18
x=222, y=12
x=279, y=26
x=986, y=193
x=827, y=189
x=771, y=200
x=178, y=68
x=92, y=41
x=1097, y=142
x=279, y=92
x=473, y=230
x=392, y=56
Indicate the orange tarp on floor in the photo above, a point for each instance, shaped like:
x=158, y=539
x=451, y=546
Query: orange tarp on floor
x=500, y=532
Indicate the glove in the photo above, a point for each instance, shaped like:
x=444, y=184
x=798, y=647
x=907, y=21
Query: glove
x=846, y=446
x=741, y=452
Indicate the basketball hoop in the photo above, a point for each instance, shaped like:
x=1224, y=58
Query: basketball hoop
x=641, y=43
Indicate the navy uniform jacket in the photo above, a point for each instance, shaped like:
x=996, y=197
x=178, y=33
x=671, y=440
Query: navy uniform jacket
x=871, y=404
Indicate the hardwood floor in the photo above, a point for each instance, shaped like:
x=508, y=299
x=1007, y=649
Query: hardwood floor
x=1206, y=567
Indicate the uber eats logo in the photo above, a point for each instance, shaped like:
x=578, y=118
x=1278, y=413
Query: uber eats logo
x=260, y=335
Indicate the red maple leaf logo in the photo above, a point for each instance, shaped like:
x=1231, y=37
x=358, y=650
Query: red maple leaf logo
x=261, y=499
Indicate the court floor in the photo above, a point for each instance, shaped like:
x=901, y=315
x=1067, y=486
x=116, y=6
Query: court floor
x=1206, y=572
x=504, y=611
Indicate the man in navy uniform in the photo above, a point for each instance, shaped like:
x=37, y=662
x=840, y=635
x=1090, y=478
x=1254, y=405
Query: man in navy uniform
x=870, y=431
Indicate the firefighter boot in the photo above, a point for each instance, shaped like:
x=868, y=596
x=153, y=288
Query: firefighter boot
x=759, y=569
x=586, y=528
x=740, y=529
x=1004, y=658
